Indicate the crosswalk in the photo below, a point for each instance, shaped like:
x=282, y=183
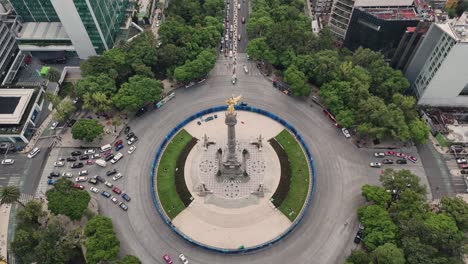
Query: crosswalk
x=25, y=198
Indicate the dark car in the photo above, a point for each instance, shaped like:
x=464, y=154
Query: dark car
x=106, y=194
x=358, y=237
x=111, y=172
x=141, y=111
x=130, y=135
x=84, y=157
x=401, y=161
x=109, y=157
x=159, y=16
x=119, y=147
x=93, y=181
x=127, y=130
x=387, y=161
x=77, y=165
x=54, y=174
x=126, y=197
x=123, y=206
x=243, y=104
x=99, y=179
x=71, y=159
x=76, y=153
x=71, y=122
x=118, y=142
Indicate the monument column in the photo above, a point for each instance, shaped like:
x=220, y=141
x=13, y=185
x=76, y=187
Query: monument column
x=231, y=121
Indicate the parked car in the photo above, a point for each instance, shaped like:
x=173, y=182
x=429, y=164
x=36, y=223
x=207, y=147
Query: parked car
x=107, y=153
x=114, y=200
x=358, y=237
x=96, y=156
x=51, y=182
x=54, y=125
x=167, y=259
x=78, y=186
x=111, y=172
x=130, y=135
x=119, y=147
x=8, y=161
x=346, y=132
x=379, y=154
x=117, y=177
x=243, y=20
x=106, y=194
x=412, y=158
x=94, y=189
x=109, y=157
x=84, y=157
x=77, y=165
x=126, y=197
x=90, y=162
x=116, y=190
x=83, y=173
x=76, y=153
x=131, y=149
x=118, y=142
x=89, y=151
x=93, y=181
x=462, y=161
x=71, y=159
x=54, y=174
x=183, y=259
x=132, y=140
x=127, y=130
x=81, y=179
x=375, y=164
x=401, y=161
x=124, y=207
x=387, y=161
x=463, y=166
x=59, y=164
x=99, y=179
x=67, y=175
x=33, y=153
x=108, y=184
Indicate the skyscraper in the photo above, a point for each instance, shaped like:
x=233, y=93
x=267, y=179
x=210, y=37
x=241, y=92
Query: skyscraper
x=91, y=25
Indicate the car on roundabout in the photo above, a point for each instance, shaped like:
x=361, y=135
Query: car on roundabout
x=67, y=175
x=132, y=149
x=117, y=177
x=94, y=189
x=167, y=259
x=401, y=161
x=183, y=259
x=81, y=179
x=8, y=161
x=123, y=206
x=59, y=164
x=106, y=194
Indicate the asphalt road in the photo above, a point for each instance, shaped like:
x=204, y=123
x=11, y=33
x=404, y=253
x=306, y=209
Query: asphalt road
x=322, y=237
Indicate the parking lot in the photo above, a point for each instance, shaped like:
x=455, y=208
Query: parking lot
x=93, y=170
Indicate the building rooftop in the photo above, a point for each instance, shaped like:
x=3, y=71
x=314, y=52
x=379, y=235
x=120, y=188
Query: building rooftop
x=457, y=28
x=368, y=3
x=43, y=31
x=13, y=104
x=397, y=10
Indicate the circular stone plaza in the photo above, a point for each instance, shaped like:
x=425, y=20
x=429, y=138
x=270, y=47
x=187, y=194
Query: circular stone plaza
x=238, y=191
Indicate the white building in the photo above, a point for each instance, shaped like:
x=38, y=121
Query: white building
x=9, y=51
x=437, y=71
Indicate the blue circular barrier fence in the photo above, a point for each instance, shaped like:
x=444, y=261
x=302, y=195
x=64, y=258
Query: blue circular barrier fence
x=174, y=131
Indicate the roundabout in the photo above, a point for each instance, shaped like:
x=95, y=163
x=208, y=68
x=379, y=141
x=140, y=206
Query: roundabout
x=321, y=237
x=232, y=178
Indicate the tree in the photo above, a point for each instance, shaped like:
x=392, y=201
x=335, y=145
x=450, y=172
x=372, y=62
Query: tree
x=98, y=102
x=53, y=248
x=129, y=259
x=326, y=40
x=358, y=256
x=197, y=68
x=53, y=75
x=376, y=194
x=169, y=57
x=53, y=99
x=388, y=254
x=142, y=49
x=64, y=109
x=258, y=49
x=326, y=66
x=31, y=213
x=444, y=234
x=297, y=80
x=379, y=228
x=419, y=130
x=9, y=195
x=135, y=93
x=214, y=8
x=23, y=245
x=398, y=181
x=101, y=241
x=456, y=208
x=259, y=26
x=97, y=65
x=417, y=252
x=87, y=129
x=101, y=83
x=66, y=200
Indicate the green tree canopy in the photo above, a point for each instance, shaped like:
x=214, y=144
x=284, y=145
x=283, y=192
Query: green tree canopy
x=87, y=129
x=129, y=259
x=297, y=80
x=376, y=195
x=101, y=241
x=96, y=65
x=10, y=194
x=53, y=75
x=197, y=68
x=456, y=208
x=138, y=91
x=358, y=256
x=64, y=109
x=96, y=84
x=398, y=181
x=388, y=254
x=66, y=200
x=379, y=228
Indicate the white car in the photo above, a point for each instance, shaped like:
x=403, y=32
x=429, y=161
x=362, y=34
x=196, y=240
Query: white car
x=346, y=132
x=117, y=176
x=376, y=164
x=81, y=179
x=183, y=259
x=158, y=24
x=132, y=149
x=33, y=153
x=94, y=189
x=96, y=156
x=8, y=161
x=59, y=164
x=67, y=175
x=462, y=161
x=114, y=200
x=83, y=172
x=246, y=70
x=89, y=151
x=379, y=154
x=132, y=140
x=54, y=125
x=109, y=184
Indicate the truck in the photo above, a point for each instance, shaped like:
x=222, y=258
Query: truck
x=101, y=162
x=117, y=157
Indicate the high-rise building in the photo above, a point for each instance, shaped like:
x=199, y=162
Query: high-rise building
x=437, y=71
x=320, y=7
x=9, y=51
x=91, y=26
x=340, y=15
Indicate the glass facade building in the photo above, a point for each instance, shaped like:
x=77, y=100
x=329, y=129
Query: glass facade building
x=35, y=10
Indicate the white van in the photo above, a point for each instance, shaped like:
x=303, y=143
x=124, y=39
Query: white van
x=117, y=157
x=238, y=6
x=230, y=54
x=106, y=148
x=101, y=162
x=33, y=153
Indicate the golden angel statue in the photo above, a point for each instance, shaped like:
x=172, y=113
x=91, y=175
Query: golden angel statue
x=231, y=102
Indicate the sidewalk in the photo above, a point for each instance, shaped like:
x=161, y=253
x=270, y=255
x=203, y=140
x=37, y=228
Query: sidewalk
x=38, y=133
x=4, y=221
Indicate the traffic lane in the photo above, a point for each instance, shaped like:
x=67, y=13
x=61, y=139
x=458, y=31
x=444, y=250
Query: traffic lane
x=242, y=27
x=15, y=170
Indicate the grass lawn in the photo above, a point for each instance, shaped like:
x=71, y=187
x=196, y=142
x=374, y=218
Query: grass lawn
x=299, y=188
x=166, y=188
x=442, y=141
